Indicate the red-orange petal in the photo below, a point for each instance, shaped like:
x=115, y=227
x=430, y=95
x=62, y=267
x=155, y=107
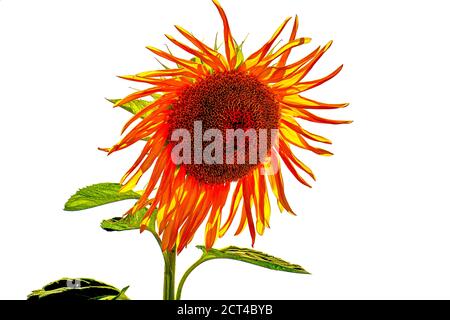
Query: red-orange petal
x=230, y=49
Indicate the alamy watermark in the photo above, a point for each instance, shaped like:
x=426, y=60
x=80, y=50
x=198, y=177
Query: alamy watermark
x=213, y=146
x=73, y=283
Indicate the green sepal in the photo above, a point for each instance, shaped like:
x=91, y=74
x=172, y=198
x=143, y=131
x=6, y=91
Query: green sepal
x=136, y=105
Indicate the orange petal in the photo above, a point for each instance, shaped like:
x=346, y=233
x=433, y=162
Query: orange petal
x=311, y=136
x=257, y=56
x=288, y=132
x=293, y=79
x=304, y=86
x=287, y=152
x=282, y=196
x=234, y=205
x=230, y=50
x=170, y=82
x=200, y=201
x=264, y=199
x=248, y=186
x=285, y=55
x=219, y=60
x=165, y=73
x=160, y=166
x=157, y=199
x=148, y=149
x=212, y=226
x=144, y=129
x=242, y=223
x=294, y=125
x=259, y=196
x=283, y=49
x=306, y=115
x=292, y=169
x=204, y=58
x=195, y=67
x=192, y=223
x=277, y=185
x=140, y=94
x=297, y=102
x=277, y=74
x=160, y=103
x=261, y=66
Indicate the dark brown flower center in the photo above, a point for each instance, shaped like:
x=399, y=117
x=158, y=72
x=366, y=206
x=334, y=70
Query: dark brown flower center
x=226, y=102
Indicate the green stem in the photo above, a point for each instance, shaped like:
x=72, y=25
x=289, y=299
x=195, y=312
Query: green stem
x=169, y=274
x=188, y=272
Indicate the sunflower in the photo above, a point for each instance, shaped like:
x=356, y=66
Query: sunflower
x=222, y=91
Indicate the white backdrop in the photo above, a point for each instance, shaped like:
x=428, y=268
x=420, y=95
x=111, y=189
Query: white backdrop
x=374, y=225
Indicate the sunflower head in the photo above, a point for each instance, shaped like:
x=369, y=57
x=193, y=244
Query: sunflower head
x=219, y=124
x=224, y=102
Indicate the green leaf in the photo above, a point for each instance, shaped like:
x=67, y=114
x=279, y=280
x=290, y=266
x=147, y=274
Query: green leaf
x=97, y=195
x=120, y=296
x=134, y=106
x=132, y=222
x=252, y=256
x=78, y=289
x=129, y=222
x=257, y=258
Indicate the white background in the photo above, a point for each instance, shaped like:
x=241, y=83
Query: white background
x=375, y=224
